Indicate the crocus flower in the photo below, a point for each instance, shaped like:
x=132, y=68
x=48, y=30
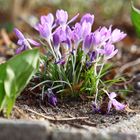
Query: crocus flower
x=51, y=97
x=76, y=33
x=62, y=17
x=23, y=42
x=88, y=18
x=44, y=30
x=97, y=37
x=114, y=103
x=85, y=28
x=109, y=50
x=101, y=36
x=47, y=19
x=45, y=26
x=80, y=31
x=117, y=35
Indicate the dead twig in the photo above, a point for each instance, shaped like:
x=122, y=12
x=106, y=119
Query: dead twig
x=89, y=123
x=55, y=118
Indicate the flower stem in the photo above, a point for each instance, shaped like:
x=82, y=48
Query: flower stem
x=98, y=79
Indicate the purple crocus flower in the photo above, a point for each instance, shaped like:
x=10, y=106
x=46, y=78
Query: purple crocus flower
x=76, y=33
x=96, y=37
x=101, y=36
x=80, y=31
x=51, y=97
x=45, y=26
x=47, y=19
x=23, y=42
x=105, y=34
x=109, y=50
x=61, y=17
x=44, y=30
x=114, y=103
x=87, y=43
x=117, y=35
x=88, y=18
x=85, y=29
x=63, y=33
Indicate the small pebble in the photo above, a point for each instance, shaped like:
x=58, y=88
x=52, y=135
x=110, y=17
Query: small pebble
x=102, y=121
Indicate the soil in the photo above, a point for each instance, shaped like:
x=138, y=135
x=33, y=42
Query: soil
x=30, y=108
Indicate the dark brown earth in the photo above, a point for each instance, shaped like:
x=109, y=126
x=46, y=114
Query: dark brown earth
x=30, y=108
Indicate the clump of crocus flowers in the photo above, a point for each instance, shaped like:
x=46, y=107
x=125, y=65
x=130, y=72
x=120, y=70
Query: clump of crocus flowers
x=74, y=56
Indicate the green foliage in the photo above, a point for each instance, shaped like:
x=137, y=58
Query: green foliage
x=89, y=85
x=15, y=75
x=135, y=18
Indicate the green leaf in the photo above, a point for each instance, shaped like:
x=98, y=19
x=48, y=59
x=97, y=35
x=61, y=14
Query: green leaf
x=16, y=74
x=2, y=76
x=135, y=18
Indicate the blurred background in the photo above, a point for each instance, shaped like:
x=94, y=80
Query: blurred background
x=25, y=13
x=107, y=12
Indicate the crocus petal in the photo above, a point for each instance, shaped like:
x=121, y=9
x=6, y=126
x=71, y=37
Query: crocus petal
x=112, y=95
x=53, y=100
x=61, y=17
x=20, y=49
x=47, y=19
x=33, y=42
x=118, y=105
x=44, y=30
x=96, y=37
x=88, y=18
x=101, y=51
x=73, y=19
x=105, y=34
x=87, y=43
x=51, y=97
x=20, y=42
x=109, y=48
x=56, y=40
x=77, y=33
x=86, y=29
x=92, y=56
x=117, y=35
x=112, y=54
x=19, y=34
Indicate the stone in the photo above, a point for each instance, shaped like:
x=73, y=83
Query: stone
x=23, y=130
x=42, y=130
